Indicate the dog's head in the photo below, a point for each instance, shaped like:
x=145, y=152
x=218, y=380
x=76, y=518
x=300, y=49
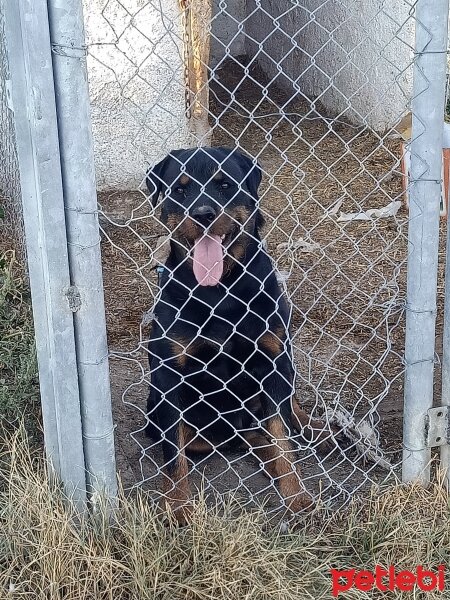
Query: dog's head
x=210, y=206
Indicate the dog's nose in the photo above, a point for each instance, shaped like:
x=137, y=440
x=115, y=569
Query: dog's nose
x=205, y=215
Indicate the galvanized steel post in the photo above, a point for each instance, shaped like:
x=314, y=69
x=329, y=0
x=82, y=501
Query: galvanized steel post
x=33, y=104
x=423, y=234
x=80, y=198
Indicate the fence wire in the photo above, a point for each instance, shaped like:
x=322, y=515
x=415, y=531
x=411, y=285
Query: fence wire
x=311, y=91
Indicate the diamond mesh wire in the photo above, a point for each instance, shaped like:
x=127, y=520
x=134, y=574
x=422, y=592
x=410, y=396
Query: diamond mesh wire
x=312, y=91
x=10, y=199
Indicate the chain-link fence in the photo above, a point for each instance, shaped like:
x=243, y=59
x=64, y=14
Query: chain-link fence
x=255, y=285
x=313, y=92
x=9, y=174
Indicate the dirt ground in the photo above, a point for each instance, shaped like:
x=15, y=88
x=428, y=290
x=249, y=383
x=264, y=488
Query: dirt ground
x=346, y=282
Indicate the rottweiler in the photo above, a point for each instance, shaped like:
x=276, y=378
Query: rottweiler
x=220, y=353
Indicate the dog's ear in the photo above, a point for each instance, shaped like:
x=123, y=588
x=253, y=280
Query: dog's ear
x=154, y=180
x=154, y=177
x=253, y=180
x=259, y=221
x=253, y=171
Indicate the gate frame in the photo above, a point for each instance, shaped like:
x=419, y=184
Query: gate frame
x=61, y=229
x=50, y=101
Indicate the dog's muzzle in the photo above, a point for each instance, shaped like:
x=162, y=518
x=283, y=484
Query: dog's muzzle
x=204, y=215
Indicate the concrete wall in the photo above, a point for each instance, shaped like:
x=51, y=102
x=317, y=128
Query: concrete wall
x=342, y=52
x=137, y=87
x=137, y=84
x=346, y=53
x=349, y=54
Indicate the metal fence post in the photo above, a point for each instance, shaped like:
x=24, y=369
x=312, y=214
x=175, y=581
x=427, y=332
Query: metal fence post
x=423, y=235
x=33, y=104
x=80, y=198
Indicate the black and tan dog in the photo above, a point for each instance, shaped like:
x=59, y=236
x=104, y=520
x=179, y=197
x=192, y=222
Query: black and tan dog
x=220, y=353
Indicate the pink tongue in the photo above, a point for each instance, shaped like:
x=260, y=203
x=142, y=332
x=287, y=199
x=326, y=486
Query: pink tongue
x=208, y=260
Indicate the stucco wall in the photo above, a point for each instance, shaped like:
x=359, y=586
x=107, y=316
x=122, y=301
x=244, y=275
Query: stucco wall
x=345, y=53
x=136, y=80
x=349, y=54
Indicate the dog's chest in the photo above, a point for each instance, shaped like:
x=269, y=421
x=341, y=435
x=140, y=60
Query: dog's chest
x=209, y=324
x=221, y=339
x=232, y=329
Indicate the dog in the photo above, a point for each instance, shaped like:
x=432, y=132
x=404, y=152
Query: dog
x=220, y=352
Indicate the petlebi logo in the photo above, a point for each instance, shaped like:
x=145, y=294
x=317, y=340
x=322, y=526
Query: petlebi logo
x=388, y=580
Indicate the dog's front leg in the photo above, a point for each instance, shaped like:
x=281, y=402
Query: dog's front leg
x=279, y=456
x=176, y=484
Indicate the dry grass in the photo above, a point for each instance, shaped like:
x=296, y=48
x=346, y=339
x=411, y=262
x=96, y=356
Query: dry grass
x=46, y=554
x=18, y=367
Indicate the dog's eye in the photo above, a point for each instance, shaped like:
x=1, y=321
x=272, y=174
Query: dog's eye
x=225, y=185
